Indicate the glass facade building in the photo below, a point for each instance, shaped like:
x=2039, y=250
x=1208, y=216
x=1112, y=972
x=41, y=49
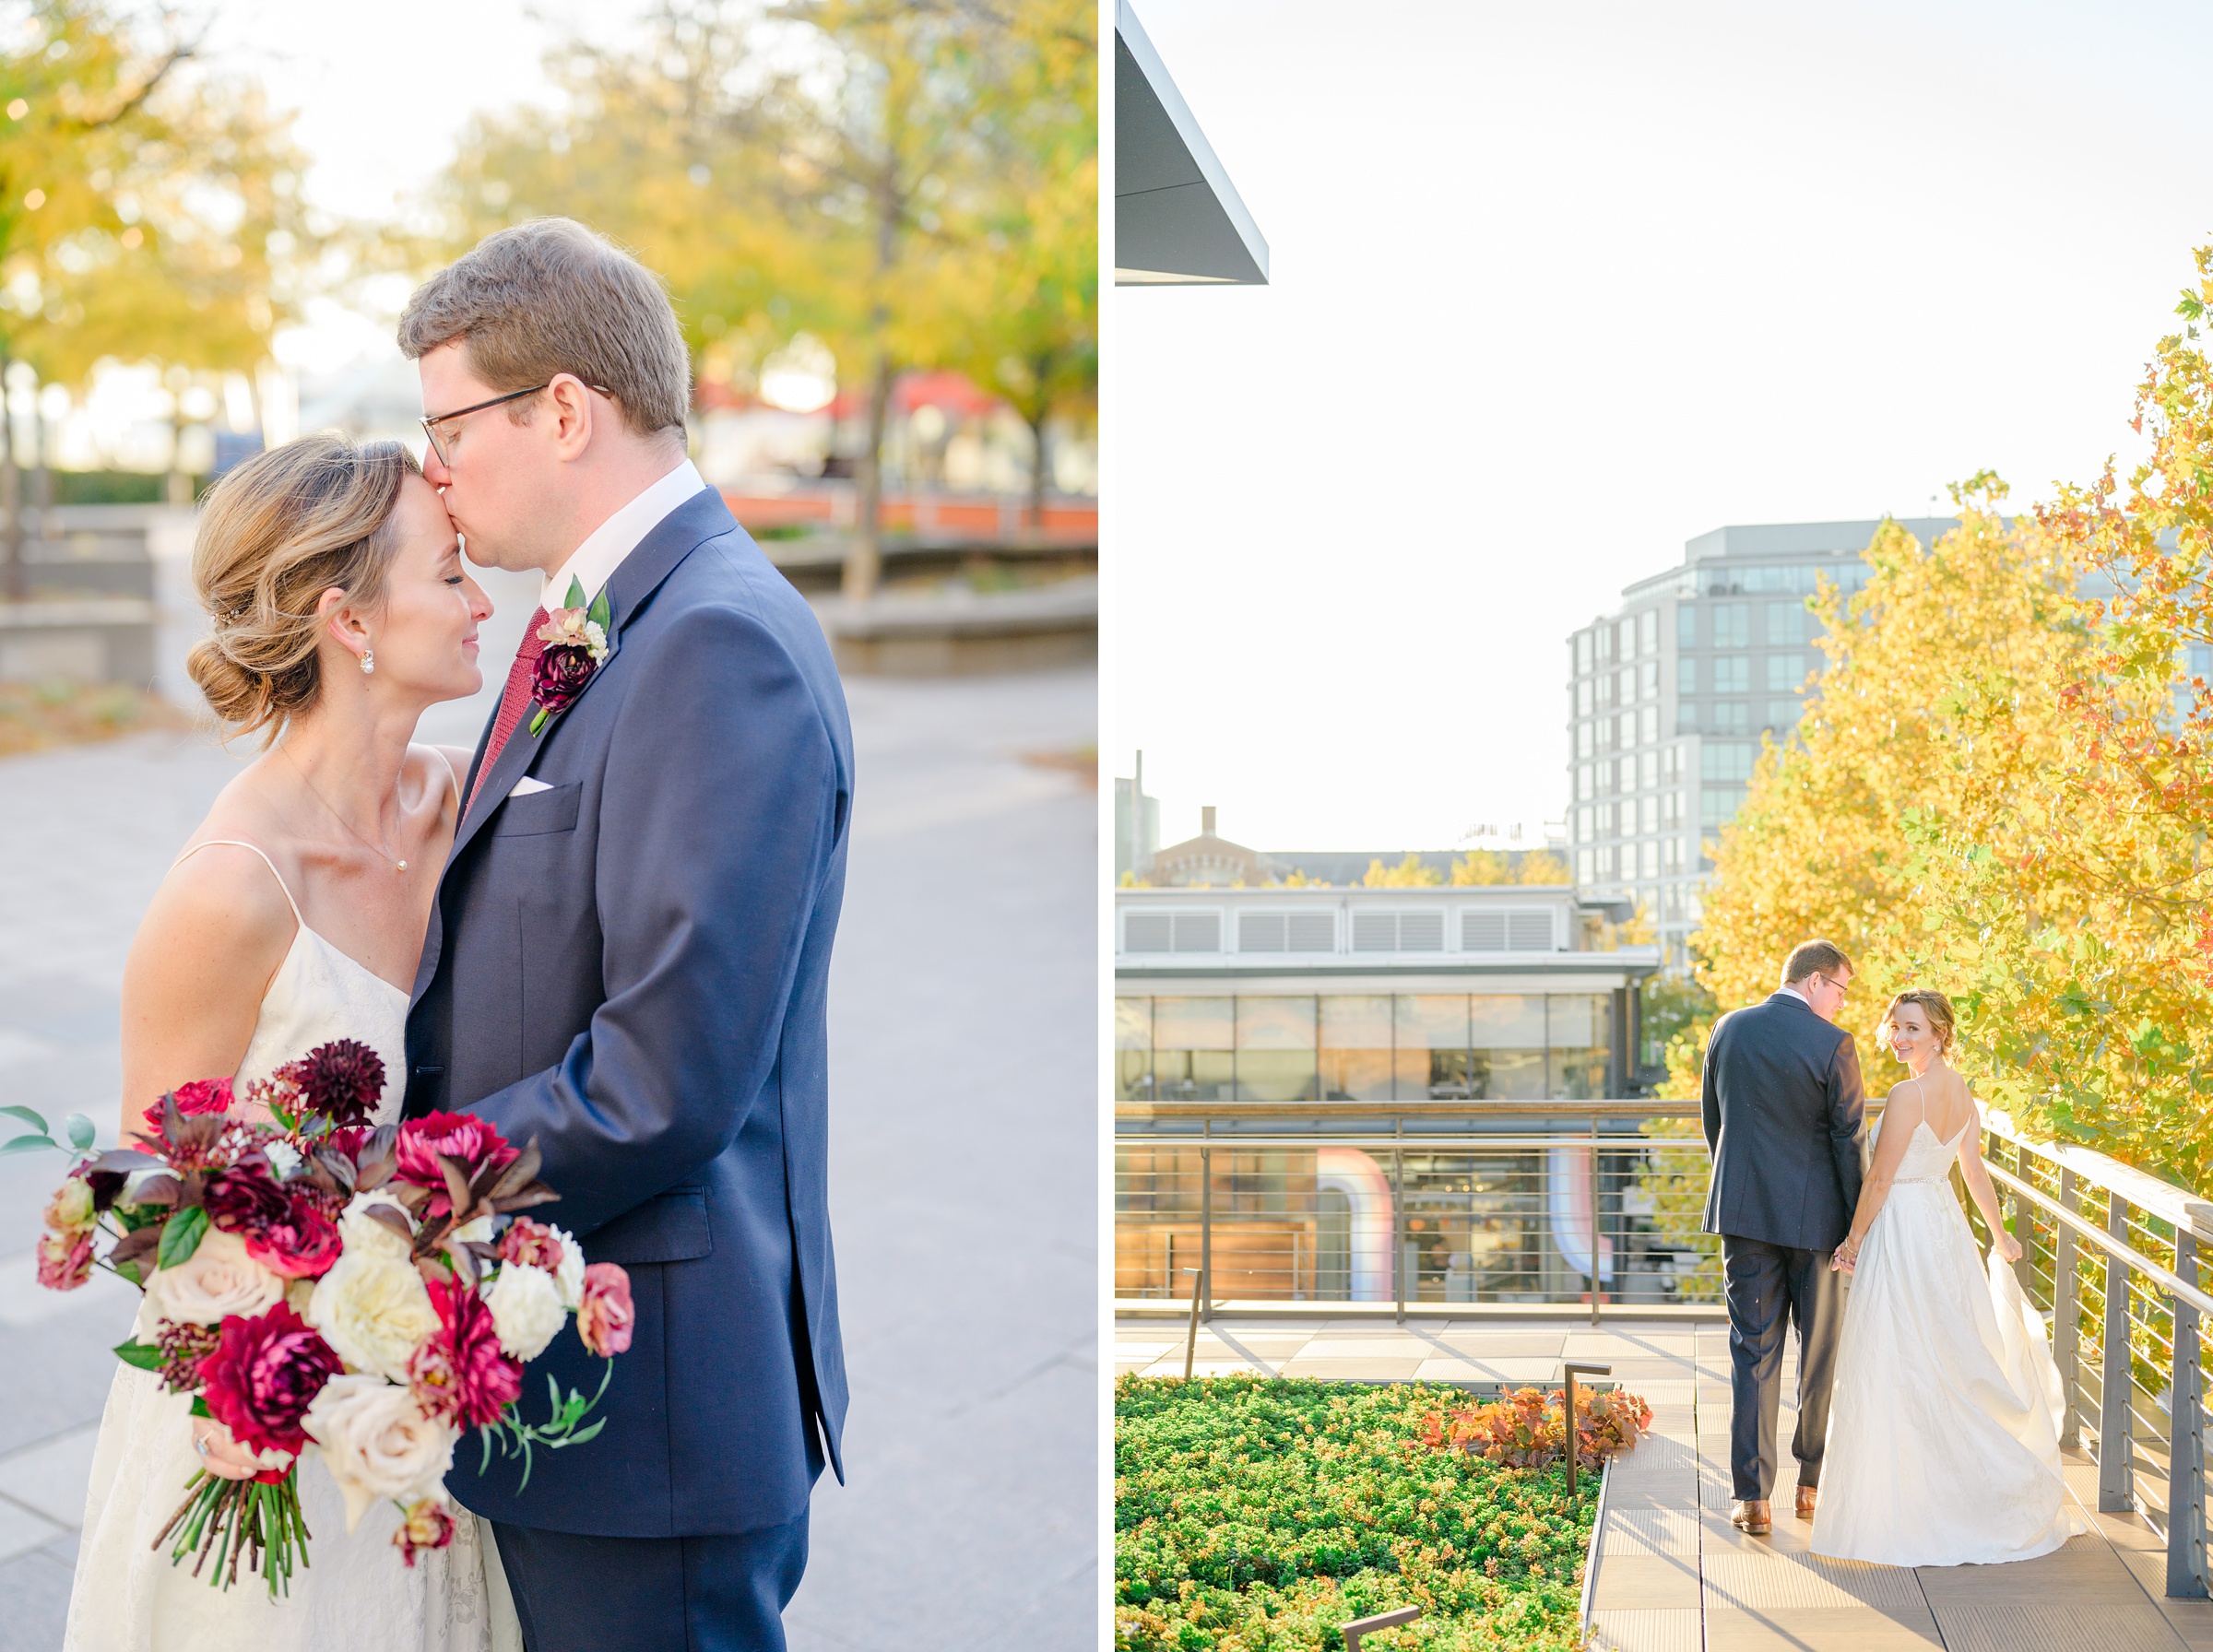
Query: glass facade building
x=1669, y=697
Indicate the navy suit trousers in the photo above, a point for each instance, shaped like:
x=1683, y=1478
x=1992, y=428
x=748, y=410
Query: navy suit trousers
x=1769, y=1288
x=696, y=1594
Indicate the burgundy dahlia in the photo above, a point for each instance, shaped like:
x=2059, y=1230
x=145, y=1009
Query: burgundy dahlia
x=244, y=1198
x=460, y=1372
x=301, y=1243
x=264, y=1375
x=605, y=1318
x=560, y=676
x=470, y=1141
x=532, y=1244
x=340, y=1080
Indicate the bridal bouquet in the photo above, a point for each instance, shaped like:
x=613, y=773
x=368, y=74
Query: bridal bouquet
x=315, y=1281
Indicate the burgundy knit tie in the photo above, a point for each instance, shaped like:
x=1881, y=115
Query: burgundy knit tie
x=511, y=703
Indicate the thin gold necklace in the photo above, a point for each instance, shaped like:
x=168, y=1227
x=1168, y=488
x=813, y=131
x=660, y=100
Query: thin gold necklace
x=397, y=864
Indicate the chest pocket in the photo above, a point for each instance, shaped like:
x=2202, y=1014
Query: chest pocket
x=538, y=814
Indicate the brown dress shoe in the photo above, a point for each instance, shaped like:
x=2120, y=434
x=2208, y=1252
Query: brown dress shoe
x=1751, y=1514
x=1805, y=1502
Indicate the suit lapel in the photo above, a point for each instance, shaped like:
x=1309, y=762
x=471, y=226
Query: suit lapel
x=699, y=518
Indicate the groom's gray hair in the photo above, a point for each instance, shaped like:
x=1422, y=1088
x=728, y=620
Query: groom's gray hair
x=1815, y=958
x=550, y=297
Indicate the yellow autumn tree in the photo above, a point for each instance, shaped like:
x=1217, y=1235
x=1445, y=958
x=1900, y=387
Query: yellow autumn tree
x=1942, y=697
x=2070, y=904
x=1410, y=873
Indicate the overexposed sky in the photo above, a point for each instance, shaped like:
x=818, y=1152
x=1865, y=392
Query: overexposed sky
x=1557, y=287
x=381, y=93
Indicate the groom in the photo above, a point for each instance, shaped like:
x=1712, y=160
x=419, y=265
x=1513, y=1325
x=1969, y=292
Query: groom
x=1782, y=1107
x=628, y=956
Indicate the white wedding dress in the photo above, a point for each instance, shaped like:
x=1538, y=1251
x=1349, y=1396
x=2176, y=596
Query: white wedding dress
x=355, y=1595
x=1942, y=1438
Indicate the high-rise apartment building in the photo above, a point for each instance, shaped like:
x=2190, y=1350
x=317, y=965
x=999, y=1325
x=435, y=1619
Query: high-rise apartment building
x=1667, y=700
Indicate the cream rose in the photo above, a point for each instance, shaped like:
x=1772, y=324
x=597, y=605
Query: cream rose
x=374, y=1310
x=569, y=1276
x=377, y=1442
x=361, y=1233
x=526, y=1309
x=216, y=1280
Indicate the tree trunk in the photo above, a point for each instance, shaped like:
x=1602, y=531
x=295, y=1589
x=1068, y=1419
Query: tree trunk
x=11, y=492
x=1038, y=474
x=864, y=562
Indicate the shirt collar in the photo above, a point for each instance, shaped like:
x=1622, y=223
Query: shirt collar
x=1797, y=993
x=595, y=561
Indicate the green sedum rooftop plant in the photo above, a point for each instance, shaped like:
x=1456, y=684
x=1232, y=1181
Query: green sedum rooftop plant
x=1257, y=1515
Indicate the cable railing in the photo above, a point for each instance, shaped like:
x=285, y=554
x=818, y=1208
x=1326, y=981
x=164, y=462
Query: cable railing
x=1561, y=1202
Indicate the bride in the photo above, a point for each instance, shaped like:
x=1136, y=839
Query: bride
x=1943, y=1441
x=295, y=914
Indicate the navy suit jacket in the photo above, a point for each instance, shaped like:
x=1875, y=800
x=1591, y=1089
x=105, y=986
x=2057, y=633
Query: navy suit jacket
x=1784, y=1113
x=631, y=966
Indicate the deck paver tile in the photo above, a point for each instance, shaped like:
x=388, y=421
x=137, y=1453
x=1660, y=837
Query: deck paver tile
x=2071, y=1577
x=1647, y=1580
x=1646, y=1630
x=1342, y=1370
x=1827, y=1630
x=1650, y=1531
x=1787, y=1536
x=1995, y=1627
x=1681, y=1495
x=1802, y=1581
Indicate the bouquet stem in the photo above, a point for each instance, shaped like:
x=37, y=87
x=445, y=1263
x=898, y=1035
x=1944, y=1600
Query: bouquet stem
x=224, y=1518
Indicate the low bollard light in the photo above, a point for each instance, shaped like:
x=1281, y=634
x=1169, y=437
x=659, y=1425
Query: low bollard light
x=1191, y=1344
x=1382, y=1619
x=1574, y=1442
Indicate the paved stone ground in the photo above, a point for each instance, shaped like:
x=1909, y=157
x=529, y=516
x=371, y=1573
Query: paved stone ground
x=963, y=1190
x=1674, y=1575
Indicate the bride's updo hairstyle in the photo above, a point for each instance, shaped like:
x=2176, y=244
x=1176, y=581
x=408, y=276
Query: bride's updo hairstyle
x=1933, y=1005
x=275, y=534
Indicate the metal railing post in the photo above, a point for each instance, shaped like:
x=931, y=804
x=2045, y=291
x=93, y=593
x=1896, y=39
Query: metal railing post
x=2067, y=1320
x=2024, y=1225
x=1593, y=1241
x=1398, y=1235
x=2116, y=1480
x=2186, y=1442
x=1205, y=1284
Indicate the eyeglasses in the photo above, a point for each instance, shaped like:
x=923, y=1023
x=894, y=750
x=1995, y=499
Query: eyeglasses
x=1843, y=987
x=439, y=443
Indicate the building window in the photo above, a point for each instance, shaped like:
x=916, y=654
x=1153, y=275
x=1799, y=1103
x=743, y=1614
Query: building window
x=1687, y=673
x=1687, y=625
x=1670, y=810
x=1582, y=653
x=1430, y=1046
x=1582, y=739
x=1732, y=624
x=1648, y=768
x=1787, y=621
x=1194, y=1049
x=1786, y=673
x=1506, y=1047
x=1671, y=763
x=1355, y=1049
x=1648, y=812
x=1582, y=698
x=1784, y=713
x=1275, y=1049
x=1583, y=833
x=1627, y=685
x=1649, y=679
x=1729, y=759
x=1718, y=804
x=1648, y=631
x=1732, y=675
x=1686, y=717
x=1605, y=643
x=1133, y=1049
x=1586, y=866
x=1626, y=632
x=1648, y=858
x=1731, y=717
x=1627, y=729
x=1671, y=860
x=1647, y=725
x=1577, y=1036
x=1583, y=786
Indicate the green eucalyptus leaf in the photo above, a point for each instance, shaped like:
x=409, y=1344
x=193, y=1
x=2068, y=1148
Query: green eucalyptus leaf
x=27, y=1114
x=25, y=1144
x=80, y=1132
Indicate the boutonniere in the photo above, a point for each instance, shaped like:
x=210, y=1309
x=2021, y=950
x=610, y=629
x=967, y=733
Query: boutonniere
x=575, y=640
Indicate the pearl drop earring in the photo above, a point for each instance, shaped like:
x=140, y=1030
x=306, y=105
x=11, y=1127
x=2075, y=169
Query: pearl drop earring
x=368, y=661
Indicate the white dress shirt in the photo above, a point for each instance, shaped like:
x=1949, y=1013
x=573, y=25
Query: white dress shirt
x=595, y=561
x=1786, y=986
